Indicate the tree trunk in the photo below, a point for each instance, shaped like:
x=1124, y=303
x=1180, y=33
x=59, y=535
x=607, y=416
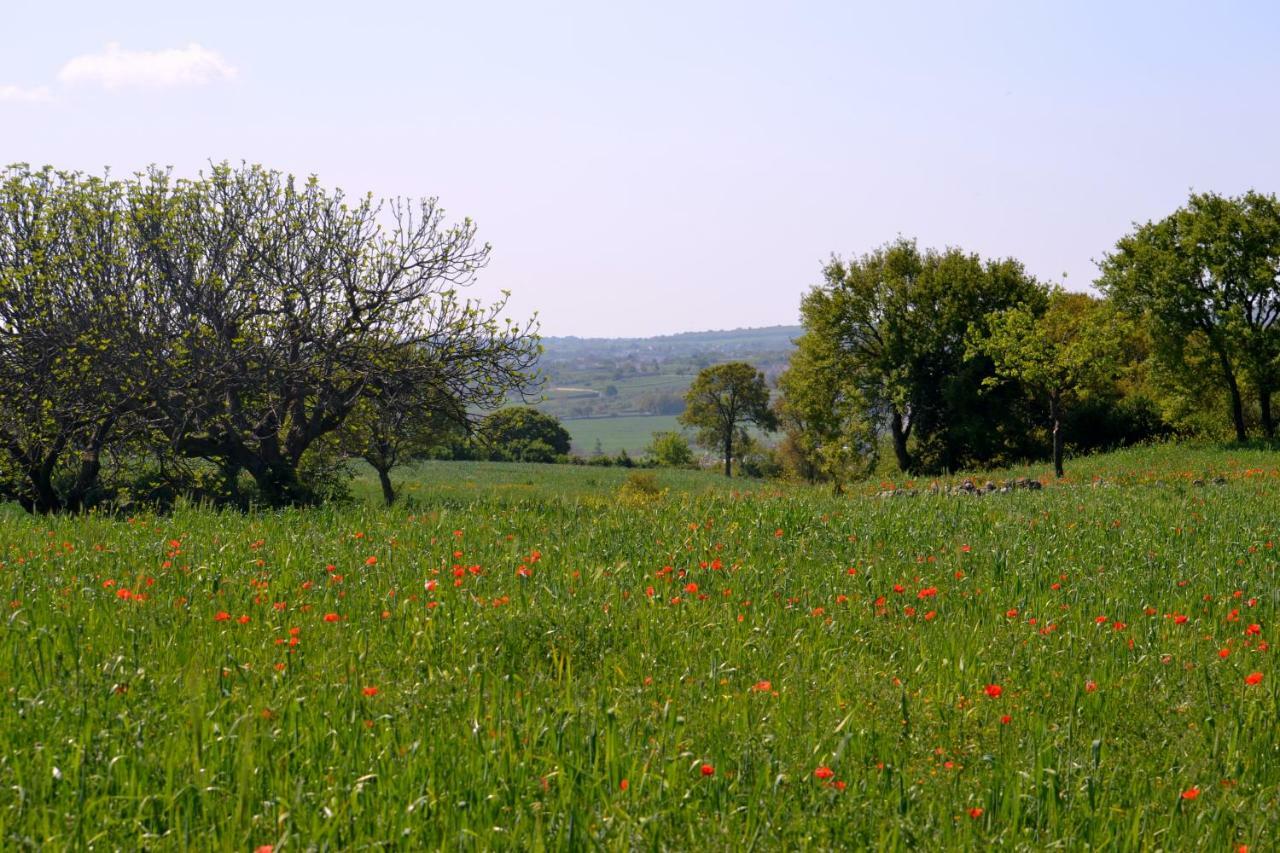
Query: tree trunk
x=1237, y=405
x=728, y=453
x=900, y=433
x=278, y=483
x=1264, y=404
x=44, y=497
x=388, y=492
x=1055, y=414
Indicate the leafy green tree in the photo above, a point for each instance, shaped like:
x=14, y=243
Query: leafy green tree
x=1209, y=273
x=1070, y=348
x=898, y=319
x=524, y=434
x=282, y=303
x=397, y=424
x=722, y=400
x=670, y=449
x=237, y=319
x=72, y=298
x=827, y=433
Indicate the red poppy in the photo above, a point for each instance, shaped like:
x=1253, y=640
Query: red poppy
x=331, y=617
x=824, y=773
x=624, y=785
x=1090, y=686
x=708, y=770
x=222, y=616
x=1006, y=720
x=1253, y=678
x=994, y=690
x=1190, y=793
x=762, y=686
x=975, y=812
x=370, y=691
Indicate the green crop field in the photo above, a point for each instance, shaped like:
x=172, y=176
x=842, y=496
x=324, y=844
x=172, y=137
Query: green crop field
x=536, y=657
x=631, y=434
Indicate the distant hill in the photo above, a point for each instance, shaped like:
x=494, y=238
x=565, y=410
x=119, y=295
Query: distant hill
x=732, y=342
x=616, y=391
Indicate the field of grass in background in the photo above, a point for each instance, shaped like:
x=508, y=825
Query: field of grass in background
x=555, y=656
x=631, y=434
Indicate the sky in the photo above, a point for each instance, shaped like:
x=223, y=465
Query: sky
x=653, y=167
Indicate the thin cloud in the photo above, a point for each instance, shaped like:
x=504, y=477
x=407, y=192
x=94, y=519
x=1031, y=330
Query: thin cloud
x=115, y=68
x=24, y=94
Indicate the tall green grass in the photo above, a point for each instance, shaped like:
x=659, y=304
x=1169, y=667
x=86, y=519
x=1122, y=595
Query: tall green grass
x=761, y=634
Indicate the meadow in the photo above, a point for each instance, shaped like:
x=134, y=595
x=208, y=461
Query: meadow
x=542, y=657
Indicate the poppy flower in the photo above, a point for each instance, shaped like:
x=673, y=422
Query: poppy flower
x=331, y=617
x=370, y=691
x=222, y=616
x=824, y=773
x=1190, y=793
x=624, y=785
x=762, y=686
x=708, y=770
x=1253, y=678
x=1006, y=720
x=994, y=690
x=1090, y=686
x=975, y=812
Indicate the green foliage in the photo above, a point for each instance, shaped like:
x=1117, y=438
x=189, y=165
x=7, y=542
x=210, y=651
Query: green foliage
x=524, y=434
x=671, y=450
x=829, y=430
x=889, y=328
x=721, y=401
x=1070, y=349
x=1207, y=279
x=238, y=319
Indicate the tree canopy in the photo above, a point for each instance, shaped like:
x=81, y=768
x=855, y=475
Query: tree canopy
x=1208, y=275
x=238, y=318
x=722, y=400
x=896, y=321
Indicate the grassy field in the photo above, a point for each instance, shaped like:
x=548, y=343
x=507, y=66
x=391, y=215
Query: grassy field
x=542, y=657
x=631, y=434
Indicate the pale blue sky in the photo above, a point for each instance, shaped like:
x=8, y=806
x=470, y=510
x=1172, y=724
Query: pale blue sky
x=645, y=168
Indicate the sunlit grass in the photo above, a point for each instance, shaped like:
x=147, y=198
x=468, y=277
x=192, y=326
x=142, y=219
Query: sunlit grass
x=560, y=686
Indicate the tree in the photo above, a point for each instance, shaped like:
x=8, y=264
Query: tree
x=670, y=449
x=283, y=305
x=396, y=424
x=827, y=432
x=1071, y=348
x=239, y=318
x=71, y=301
x=722, y=400
x=524, y=434
x=1209, y=272
x=898, y=319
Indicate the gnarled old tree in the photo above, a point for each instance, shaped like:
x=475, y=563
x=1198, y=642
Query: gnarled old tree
x=287, y=304
x=71, y=324
x=239, y=318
